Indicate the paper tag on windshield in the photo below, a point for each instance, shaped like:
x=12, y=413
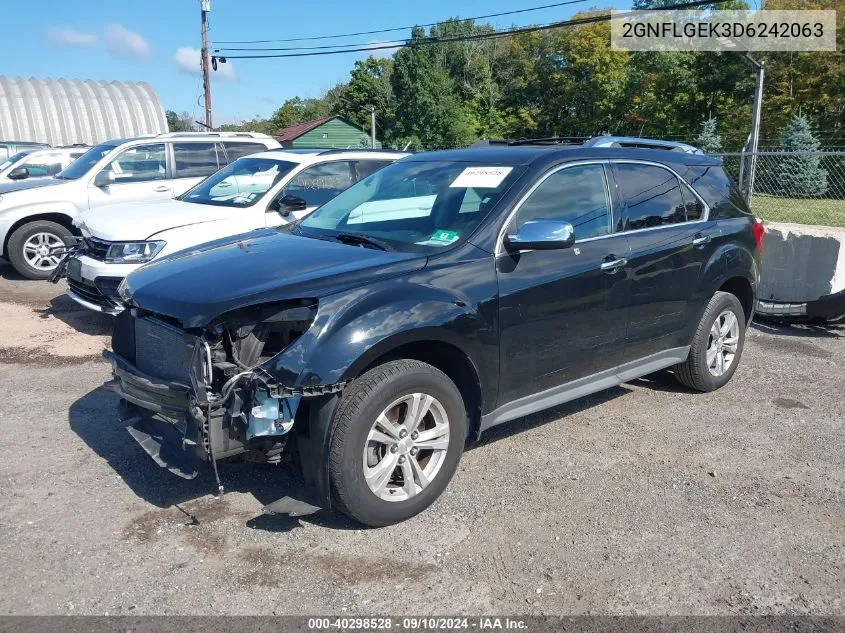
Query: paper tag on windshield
x=481, y=177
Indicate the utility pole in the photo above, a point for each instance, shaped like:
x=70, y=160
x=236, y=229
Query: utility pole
x=373, y=126
x=205, y=7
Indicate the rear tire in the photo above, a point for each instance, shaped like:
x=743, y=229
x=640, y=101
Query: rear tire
x=399, y=434
x=29, y=246
x=716, y=346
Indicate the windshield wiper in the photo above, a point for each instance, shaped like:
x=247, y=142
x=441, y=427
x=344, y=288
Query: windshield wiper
x=356, y=239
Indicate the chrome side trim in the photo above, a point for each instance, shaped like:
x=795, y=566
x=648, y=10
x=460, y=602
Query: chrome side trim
x=584, y=386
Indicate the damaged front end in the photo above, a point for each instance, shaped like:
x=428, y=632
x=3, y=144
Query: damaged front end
x=205, y=394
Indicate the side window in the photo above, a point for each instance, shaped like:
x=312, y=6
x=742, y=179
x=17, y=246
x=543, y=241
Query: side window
x=578, y=195
x=44, y=165
x=694, y=206
x=652, y=195
x=364, y=168
x=141, y=163
x=194, y=160
x=235, y=150
x=320, y=183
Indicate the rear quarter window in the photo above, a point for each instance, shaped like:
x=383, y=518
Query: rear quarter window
x=718, y=190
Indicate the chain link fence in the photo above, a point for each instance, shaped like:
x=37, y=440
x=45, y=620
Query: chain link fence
x=792, y=186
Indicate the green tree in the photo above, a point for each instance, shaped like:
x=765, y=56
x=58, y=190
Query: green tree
x=708, y=139
x=179, y=122
x=799, y=175
x=369, y=87
x=427, y=107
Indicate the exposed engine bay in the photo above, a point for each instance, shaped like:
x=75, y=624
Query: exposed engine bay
x=208, y=393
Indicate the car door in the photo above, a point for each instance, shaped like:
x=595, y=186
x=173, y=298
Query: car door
x=316, y=185
x=140, y=173
x=563, y=313
x=671, y=240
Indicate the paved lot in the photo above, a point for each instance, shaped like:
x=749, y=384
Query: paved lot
x=646, y=499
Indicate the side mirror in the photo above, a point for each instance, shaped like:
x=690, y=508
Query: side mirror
x=541, y=235
x=18, y=173
x=289, y=203
x=104, y=179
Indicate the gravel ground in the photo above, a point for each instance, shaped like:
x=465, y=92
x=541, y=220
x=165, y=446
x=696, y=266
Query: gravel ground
x=645, y=499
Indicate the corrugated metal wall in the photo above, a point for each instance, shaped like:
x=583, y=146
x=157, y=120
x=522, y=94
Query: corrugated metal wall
x=67, y=111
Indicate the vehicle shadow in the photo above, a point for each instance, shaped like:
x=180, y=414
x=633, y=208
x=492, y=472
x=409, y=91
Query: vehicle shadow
x=97, y=419
x=80, y=319
x=809, y=329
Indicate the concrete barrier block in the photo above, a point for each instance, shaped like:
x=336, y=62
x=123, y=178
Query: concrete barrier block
x=801, y=263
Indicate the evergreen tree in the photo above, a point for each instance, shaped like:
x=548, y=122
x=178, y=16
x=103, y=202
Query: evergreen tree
x=708, y=139
x=799, y=175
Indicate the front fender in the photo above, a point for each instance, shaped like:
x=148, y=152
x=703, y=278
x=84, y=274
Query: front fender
x=11, y=216
x=352, y=330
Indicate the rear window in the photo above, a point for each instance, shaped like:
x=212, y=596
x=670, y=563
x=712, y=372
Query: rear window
x=194, y=160
x=235, y=150
x=652, y=196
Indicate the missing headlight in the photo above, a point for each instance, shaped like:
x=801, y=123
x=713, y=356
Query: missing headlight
x=257, y=333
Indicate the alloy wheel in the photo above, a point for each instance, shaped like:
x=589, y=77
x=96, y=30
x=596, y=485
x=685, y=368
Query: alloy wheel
x=38, y=250
x=723, y=343
x=406, y=447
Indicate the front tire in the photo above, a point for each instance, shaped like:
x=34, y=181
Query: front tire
x=716, y=346
x=30, y=248
x=399, y=434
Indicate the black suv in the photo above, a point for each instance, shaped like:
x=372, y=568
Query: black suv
x=447, y=293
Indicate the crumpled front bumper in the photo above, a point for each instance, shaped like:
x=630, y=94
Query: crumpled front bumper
x=170, y=399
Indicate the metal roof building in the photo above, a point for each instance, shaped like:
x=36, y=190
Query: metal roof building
x=68, y=111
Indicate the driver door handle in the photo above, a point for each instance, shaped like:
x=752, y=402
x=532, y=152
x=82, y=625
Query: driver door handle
x=612, y=265
x=701, y=240
x=162, y=188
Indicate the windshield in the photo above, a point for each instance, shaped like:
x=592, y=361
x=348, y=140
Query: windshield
x=13, y=159
x=81, y=166
x=240, y=184
x=414, y=206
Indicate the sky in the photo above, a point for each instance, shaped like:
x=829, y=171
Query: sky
x=158, y=41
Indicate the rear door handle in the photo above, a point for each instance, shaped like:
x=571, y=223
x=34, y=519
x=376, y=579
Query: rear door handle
x=701, y=240
x=162, y=188
x=613, y=265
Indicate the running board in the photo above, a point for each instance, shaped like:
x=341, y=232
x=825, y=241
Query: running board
x=584, y=386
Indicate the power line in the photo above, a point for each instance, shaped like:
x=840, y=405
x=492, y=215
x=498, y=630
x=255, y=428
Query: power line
x=399, y=28
x=465, y=38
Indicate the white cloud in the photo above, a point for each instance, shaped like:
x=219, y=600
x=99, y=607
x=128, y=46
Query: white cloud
x=67, y=36
x=122, y=42
x=188, y=61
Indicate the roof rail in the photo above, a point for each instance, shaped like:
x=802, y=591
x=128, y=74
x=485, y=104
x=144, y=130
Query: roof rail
x=549, y=140
x=337, y=150
x=215, y=134
x=643, y=143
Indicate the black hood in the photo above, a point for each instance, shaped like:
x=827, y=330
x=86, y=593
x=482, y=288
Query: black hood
x=194, y=286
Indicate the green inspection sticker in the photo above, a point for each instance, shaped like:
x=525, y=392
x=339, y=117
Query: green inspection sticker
x=444, y=237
